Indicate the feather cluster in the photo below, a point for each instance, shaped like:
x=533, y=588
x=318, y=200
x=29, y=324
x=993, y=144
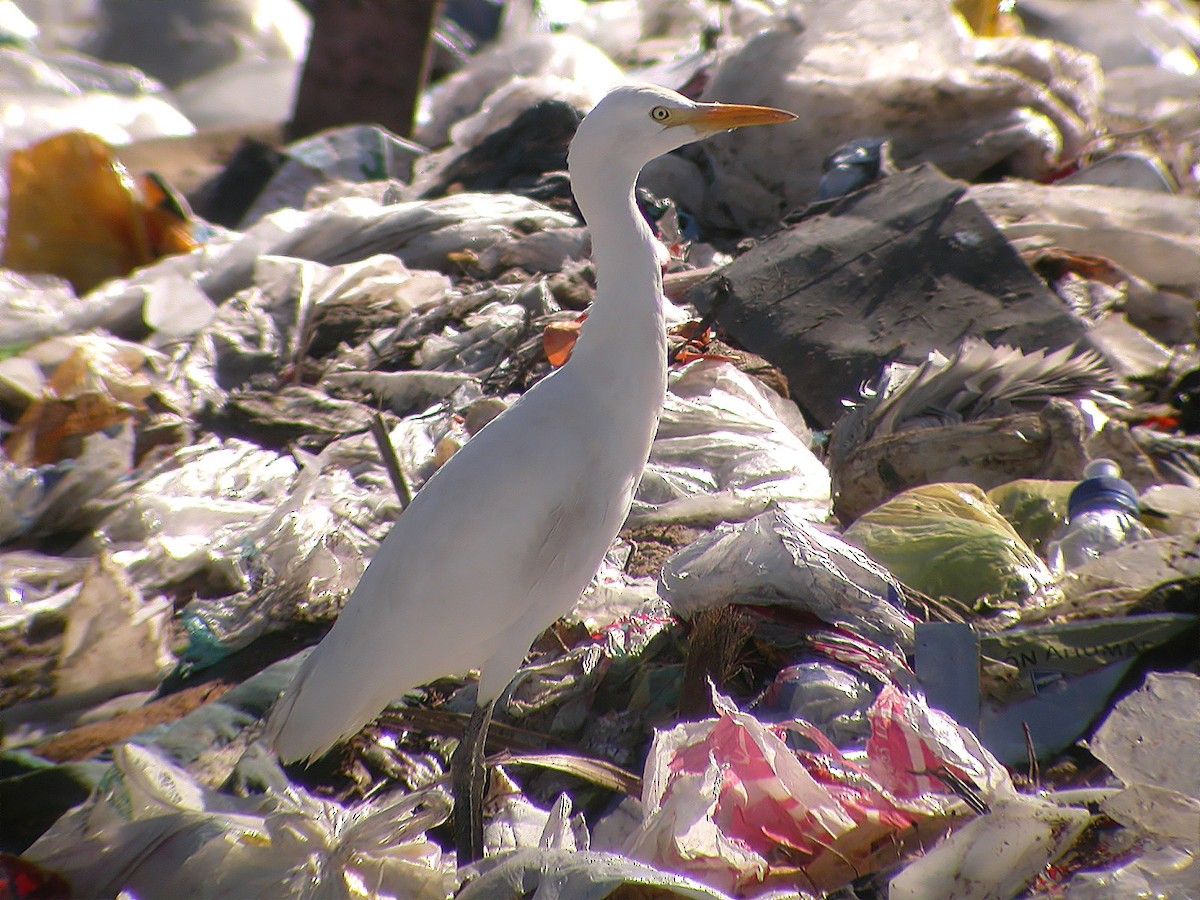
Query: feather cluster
x=978, y=382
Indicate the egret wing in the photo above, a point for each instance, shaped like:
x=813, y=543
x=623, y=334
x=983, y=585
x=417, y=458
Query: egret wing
x=495, y=546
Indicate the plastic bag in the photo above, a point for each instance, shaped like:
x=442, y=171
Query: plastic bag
x=151, y=829
x=73, y=211
x=727, y=802
x=727, y=447
x=1035, y=507
x=779, y=558
x=852, y=69
x=948, y=540
x=48, y=93
x=97, y=383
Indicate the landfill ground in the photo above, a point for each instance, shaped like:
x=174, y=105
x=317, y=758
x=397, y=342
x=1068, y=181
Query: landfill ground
x=879, y=623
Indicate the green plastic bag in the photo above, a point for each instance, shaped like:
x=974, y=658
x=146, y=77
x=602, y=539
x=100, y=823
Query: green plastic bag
x=1036, y=507
x=948, y=540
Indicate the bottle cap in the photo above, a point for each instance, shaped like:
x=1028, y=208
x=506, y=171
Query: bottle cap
x=1103, y=488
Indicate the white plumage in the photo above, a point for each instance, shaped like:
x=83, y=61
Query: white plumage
x=502, y=541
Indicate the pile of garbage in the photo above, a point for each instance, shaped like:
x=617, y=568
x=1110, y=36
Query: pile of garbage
x=908, y=601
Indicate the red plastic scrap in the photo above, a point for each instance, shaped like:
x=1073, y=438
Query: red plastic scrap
x=813, y=820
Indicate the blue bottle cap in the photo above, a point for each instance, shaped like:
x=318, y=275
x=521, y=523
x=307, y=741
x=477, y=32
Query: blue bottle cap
x=1103, y=492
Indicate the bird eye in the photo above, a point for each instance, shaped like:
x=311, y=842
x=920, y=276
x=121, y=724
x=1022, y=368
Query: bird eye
x=660, y=114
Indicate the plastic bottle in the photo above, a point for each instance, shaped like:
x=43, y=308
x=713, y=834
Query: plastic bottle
x=1102, y=514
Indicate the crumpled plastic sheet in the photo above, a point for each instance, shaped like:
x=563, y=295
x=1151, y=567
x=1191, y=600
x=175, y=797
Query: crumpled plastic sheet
x=47, y=93
x=75, y=386
x=727, y=802
x=306, y=555
x=153, y=830
x=301, y=550
x=195, y=511
x=726, y=448
x=115, y=640
x=1140, y=742
x=997, y=855
x=504, y=81
x=780, y=558
x=36, y=307
x=564, y=686
x=562, y=874
x=404, y=392
x=515, y=821
x=1035, y=507
x=27, y=577
x=480, y=340
x=1120, y=579
x=44, y=499
x=285, y=542
x=1154, y=237
x=551, y=250
x=614, y=594
x=273, y=541
x=346, y=230
x=262, y=330
x=849, y=70
x=1159, y=872
x=421, y=233
x=476, y=335
x=114, y=644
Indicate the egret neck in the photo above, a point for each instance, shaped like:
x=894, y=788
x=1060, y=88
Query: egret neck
x=623, y=342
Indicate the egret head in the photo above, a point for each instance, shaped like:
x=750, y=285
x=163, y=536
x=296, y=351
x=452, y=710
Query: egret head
x=635, y=124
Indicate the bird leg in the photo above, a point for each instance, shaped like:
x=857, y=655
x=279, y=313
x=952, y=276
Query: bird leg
x=467, y=777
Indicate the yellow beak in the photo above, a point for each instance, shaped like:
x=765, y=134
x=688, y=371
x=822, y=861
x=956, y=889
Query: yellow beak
x=713, y=117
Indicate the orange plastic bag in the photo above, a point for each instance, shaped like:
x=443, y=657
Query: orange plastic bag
x=75, y=212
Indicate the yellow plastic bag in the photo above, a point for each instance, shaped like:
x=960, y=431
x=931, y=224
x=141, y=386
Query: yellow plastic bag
x=948, y=540
x=1036, y=507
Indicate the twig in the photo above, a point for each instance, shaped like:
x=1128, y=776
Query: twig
x=966, y=791
x=390, y=461
x=304, y=329
x=1035, y=771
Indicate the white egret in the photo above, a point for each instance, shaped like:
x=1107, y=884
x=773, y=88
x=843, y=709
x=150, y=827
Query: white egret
x=505, y=537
